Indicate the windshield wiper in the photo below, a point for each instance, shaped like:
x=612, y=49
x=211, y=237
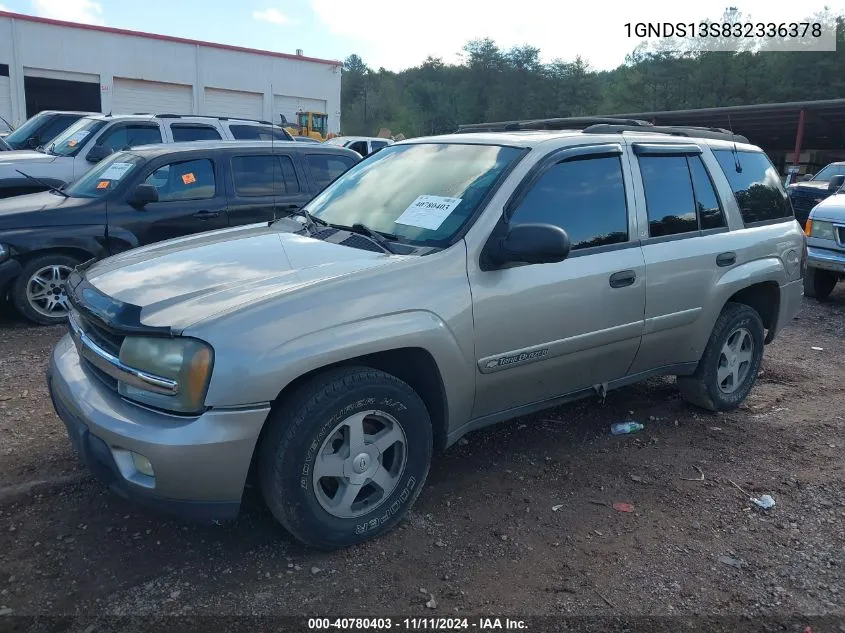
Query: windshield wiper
x=377, y=237
x=310, y=221
x=45, y=184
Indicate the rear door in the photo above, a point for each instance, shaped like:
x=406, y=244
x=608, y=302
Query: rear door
x=686, y=245
x=191, y=200
x=263, y=186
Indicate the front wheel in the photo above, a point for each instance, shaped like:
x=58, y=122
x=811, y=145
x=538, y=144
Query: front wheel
x=728, y=368
x=39, y=293
x=345, y=457
x=818, y=284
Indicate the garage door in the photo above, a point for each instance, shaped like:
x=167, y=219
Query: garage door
x=289, y=106
x=234, y=103
x=152, y=97
x=5, y=100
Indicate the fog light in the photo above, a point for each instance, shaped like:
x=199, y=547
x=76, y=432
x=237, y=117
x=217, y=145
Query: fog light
x=142, y=464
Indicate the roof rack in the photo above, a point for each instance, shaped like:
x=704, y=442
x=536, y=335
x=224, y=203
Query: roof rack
x=603, y=125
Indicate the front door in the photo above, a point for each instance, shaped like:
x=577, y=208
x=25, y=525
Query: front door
x=190, y=200
x=545, y=330
x=264, y=187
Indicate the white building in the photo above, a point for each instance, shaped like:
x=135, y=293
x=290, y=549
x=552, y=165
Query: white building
x=54, y=65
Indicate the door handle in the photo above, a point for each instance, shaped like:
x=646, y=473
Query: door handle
x=206, y=215
x=622, y=278
x=726, y=259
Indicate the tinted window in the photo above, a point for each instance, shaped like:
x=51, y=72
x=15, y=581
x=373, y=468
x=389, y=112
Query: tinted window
x=668, y=195
x=584, y=197
x=264, y=175
x=56, y=126
x=757, y=187
x=378, y=144
x=185, y=133
x=131, y=135
x=18, y=138
x=257, y=133
x=326, y=167
x=359, y=146
x=189, y=180
x=710, y=214
x=829, y=172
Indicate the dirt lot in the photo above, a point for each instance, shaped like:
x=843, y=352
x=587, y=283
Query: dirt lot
x=516, y=520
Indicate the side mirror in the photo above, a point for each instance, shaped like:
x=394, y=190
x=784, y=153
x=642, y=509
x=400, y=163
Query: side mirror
x=97, y=153
x=806, y=177
x=835, y=183
x=531, y=244
x=143, y=195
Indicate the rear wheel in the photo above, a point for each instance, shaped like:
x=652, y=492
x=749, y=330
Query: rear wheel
x=345, y=457
x=728, y=368
x=38, y=293
x=818, y=284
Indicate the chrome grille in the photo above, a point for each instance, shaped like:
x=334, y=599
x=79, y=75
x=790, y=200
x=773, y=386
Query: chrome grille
x=803, y=202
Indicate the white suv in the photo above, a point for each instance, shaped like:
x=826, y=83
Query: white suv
x=88, y=141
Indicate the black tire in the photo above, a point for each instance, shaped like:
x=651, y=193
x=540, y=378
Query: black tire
x=702, y=388
x=818, y=284
x=298, y=428
x=18, y=290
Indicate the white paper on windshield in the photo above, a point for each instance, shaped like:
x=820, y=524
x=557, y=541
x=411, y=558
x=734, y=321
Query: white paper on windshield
x=116, y=171
x=428, y=212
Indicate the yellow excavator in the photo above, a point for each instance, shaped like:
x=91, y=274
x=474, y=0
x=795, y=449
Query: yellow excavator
x=309, y=124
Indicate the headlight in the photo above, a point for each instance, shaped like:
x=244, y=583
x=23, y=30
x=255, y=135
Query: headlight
x=4, y=252
x=820, y=229
x=186, y=361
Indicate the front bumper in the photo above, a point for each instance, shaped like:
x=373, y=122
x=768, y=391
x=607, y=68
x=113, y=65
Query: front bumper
x=200, y=464
x=9, y=270
x=826, y=259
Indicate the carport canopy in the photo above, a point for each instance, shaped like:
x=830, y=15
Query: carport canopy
x=772, y=126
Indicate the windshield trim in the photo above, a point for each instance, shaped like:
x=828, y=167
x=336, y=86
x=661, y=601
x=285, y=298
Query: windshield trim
x=480, y=208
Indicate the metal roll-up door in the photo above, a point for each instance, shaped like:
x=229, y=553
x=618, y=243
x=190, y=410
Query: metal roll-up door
x=132, y=96
x=234, y=104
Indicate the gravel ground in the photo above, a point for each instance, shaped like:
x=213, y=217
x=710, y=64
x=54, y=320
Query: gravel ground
x=516, y=519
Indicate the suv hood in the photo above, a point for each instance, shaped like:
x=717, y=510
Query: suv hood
x=180, y=282
x=832, y=208
x=25, y=157
x=40, y=209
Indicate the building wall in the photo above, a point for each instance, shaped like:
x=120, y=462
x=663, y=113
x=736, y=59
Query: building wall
x=31, y=47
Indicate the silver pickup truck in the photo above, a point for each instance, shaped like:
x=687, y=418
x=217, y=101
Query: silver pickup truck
x=441, y=285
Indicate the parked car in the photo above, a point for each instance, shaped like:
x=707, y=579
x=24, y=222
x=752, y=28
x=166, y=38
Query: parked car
x=807, y=193
x=439, y=286
x=825, y=231
x=141, y=196
x=91, y=139
x=43, y=128
x=364, y=145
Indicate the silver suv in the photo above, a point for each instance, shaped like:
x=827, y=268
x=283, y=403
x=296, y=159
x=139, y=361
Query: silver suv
x=441, y=285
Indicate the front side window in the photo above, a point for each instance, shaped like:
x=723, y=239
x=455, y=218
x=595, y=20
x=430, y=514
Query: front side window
x=69, y=142
x=326, y=167
x=422, y=192
x=359, y=146
x=130, y=135
x=106, y=176
x=585, y=197
x=187, y=180
x=187, y=133
x=265, y=175
x=756, y=185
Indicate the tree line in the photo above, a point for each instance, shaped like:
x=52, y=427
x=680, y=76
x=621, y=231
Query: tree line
x=493, y=84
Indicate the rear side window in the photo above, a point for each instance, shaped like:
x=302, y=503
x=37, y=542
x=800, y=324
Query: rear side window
x=130, y=135
x=263, y=175
x=257, y=133
x=679, y=195
x=757, y=187
x=325, y=168
x=187, y=180
x=186, y=133
x=584, y=197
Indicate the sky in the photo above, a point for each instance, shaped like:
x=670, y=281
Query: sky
x=398, y=34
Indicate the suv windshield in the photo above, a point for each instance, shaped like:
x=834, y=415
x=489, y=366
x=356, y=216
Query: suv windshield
x=829, y=172
x=107, y=175
x=424, y=193
x=17, y=139
x=69, y=142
